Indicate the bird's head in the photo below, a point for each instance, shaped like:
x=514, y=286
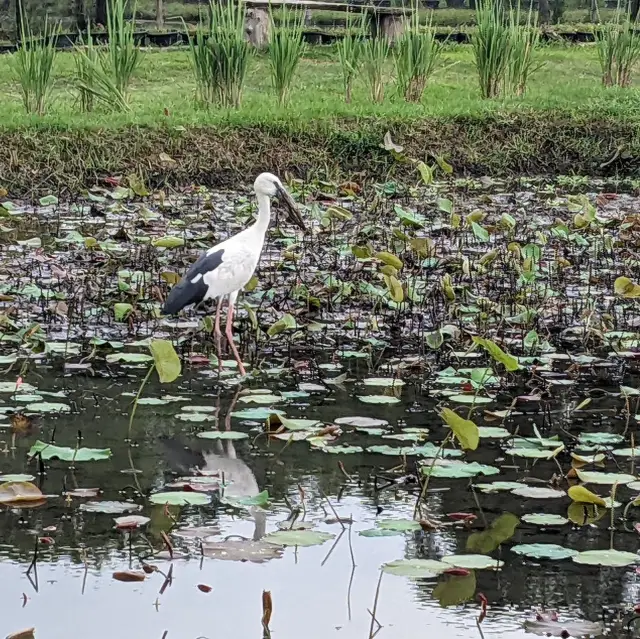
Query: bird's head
x=270, y=185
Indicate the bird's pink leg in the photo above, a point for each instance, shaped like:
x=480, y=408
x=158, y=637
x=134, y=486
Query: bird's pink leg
x=229, y=334
x=218, y=334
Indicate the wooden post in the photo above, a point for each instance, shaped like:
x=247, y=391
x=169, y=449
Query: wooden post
x=387, y=25
x=257, y=26
x=159, y=15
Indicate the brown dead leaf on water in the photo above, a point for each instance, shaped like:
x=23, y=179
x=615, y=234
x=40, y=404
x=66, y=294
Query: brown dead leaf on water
x=20, y=492
x=129, y=575
x=28, y=633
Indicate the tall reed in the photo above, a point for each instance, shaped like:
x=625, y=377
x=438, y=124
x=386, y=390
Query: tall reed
x=523, y=42
x=230, y=51
x=123, y=56
x=350, y=51
x=491, y=43
x=286, y=48
x=200, y=57
x=618, y=46
x=375, y=52
x=33, y=65
x=104, y=74
x=416, y=54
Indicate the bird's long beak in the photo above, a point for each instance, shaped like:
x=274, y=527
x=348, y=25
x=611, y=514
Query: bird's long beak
x=291, y=207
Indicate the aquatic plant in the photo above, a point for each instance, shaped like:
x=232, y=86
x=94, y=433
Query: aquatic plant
x=286, y=48
x=350, y=51
x=416, y=54
x=523, y=42
x=491, y=46
x=104, y=74
x=375, y=52
x=618, y=47
x=33, y=64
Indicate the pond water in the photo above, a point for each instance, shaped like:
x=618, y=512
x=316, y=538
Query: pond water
x=371, y=375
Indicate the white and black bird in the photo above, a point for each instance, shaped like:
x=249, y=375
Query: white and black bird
x=222, y=271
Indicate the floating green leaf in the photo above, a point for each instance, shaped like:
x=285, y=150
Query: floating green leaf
x=50, y=451
x=473, y=562
x=287, y=321
x=612, y=558
x=298, y=537
x=122, y=310
x=222, y=434
x=48, y=407
x=404, y=525
x=595, y=477
x=178, y=498
x=544, y=551
x=416, y=568
x=378, y=399
x=544, y=519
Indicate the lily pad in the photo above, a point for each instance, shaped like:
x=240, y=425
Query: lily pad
x=256, y=413
x=48, y=407
x=600, y=438
x=403, y=525
x=383, y=381
x=364, y=422
x=380, y=532
x=378, y=399
x=455, y=590
x=110, y=507
x=65, y=453
x=544, y=551
x=497, y=486
x=263, y=400
x=473, y=562
x=544, y=519
x=553, y=628
x=458, y=469
x=538, y=492
x=595, y=477
x=471, y=399
x=298, y=537
x=261, y=499
x=223, y=434
x=256, y=552
x=131, y=521
x=416, y=568
x=196, y=418
x=177, y=498
x=16, y=477
x=342, y=450
x=613, y=558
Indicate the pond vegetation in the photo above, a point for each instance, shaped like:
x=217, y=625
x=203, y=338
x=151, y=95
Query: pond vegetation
x=437, y=431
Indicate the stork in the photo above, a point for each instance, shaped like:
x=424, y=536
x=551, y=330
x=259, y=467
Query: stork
x=223, y=270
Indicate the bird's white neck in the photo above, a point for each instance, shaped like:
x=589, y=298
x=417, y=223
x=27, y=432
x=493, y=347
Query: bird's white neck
x=264, y=214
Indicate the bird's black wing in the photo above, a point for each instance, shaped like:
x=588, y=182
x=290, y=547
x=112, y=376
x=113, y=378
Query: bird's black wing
x=187, y=292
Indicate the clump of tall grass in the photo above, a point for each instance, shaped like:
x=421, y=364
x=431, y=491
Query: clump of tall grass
x=618, y=46
x=33, y=65
x=491, y=46
x=104, y=74
x=219, y=55
x=375, y=52
x=350, y=51
x=286, y=48
x=230, y=51
x=523, y=42
x=416, y=54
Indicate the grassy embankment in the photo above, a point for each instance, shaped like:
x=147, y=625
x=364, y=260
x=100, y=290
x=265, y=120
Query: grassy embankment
x=566, y=123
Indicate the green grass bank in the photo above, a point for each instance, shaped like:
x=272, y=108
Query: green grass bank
x=567, y=123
